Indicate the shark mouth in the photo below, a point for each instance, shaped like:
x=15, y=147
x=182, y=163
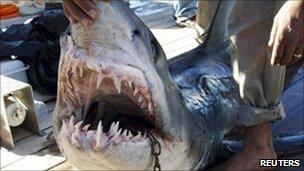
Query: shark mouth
x=114, y=102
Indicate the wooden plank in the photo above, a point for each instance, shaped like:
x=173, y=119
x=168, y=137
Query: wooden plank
x=163, y=25
x=152, y=10
x=164, y=32
x=176, y=36
x=137, y=4
x=178, y=47
x=173, y=30
x=182, y=43
x=158, y=15
x=47, y=120
x=25, y=147
x=27, y=143
x=43, y=160
x=42, y=98
x=20, y=133
x=179, y=51
x=7, y=157
x=65, y=166
x=160, y=22
x=51, y=105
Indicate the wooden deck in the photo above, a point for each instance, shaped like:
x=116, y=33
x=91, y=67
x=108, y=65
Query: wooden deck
x=33, y=152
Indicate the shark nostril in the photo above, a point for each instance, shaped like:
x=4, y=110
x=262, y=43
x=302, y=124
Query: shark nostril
x=136, y=32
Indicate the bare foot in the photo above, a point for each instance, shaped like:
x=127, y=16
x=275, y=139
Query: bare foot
x=258, y=145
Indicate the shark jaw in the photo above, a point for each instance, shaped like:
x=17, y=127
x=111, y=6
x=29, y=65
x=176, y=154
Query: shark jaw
x=115, y=102
x=104, y=108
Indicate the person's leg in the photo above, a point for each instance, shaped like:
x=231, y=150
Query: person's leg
x=185, y=10
x=260, y=83
x=258, y=145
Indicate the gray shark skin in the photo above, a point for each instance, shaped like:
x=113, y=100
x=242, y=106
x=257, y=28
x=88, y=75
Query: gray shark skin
x=204, y=78
x=114, y=85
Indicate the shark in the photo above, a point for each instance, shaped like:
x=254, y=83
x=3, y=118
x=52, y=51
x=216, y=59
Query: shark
x=121, y=105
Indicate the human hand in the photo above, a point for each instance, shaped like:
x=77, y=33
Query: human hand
x=287, y=34
x=81, y=11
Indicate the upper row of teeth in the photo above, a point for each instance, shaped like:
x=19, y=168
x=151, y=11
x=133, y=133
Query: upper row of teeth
x=82, y=138
x=144, y=104
x=77, y=63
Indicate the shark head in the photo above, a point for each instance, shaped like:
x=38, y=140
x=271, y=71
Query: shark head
x=114, y=92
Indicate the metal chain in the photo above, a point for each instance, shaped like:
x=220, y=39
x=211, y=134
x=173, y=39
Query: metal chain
x=156, y=150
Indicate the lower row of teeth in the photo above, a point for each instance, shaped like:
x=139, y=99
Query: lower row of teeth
x=81, y=137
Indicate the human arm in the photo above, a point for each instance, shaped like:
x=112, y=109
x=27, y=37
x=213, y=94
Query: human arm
x=81, y=11
x=287, y=34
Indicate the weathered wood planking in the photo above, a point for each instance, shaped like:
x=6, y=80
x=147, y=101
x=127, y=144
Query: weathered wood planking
x=25, y=147
x=26, y=143
x=20, y=134
x=178, y=44
x=157, y=15
x=176, y=33
x=173, y=39
x=42, y=160
x=64, y=166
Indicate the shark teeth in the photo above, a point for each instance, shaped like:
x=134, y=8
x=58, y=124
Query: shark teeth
x=72, y=121
x=99, y=133
x=78, y=133
x=86, y=127
x=100, y=77
x=140, y=99
x=78, y=125
x=124, y=133
x=143, y=105
x=71, y=127
x=117, y=84
x=136, y=90
x=80, y=71
x=82, y=136
x=75, y=141
x=137, y=138
x=114, y=128
x=130, y=83
x=64, y=125
x=149, y=106
x=130, y=135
